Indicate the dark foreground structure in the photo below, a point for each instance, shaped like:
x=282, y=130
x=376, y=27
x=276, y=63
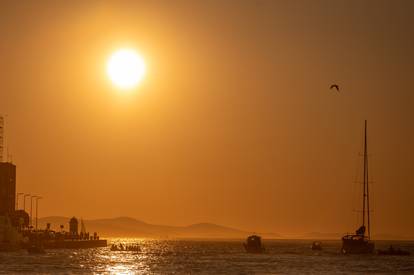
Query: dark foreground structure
x=7, y=188
x=17, y=233
x=50, y=239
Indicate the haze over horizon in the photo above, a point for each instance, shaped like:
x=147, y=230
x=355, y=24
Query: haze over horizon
x=233, y=123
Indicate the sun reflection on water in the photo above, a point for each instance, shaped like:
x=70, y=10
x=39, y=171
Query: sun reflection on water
x=124, y=262
x=200, y=256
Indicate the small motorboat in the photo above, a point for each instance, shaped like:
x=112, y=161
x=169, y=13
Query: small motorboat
x=254, y=244
x=316, y=246
x=391, y=251
x=122, y=247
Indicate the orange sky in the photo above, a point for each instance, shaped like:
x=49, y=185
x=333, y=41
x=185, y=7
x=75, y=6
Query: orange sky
x=234, y=123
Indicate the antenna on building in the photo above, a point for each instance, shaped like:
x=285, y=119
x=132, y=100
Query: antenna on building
x=1, y=137
x=9, y=156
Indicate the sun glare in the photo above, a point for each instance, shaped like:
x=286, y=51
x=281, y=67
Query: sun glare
x=126, y=68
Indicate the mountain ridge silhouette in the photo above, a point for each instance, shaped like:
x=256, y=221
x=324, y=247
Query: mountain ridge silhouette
x=124, y=226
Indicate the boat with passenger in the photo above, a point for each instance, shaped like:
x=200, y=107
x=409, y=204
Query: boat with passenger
x=122, y=247
x=254, y=244
x=316, y=245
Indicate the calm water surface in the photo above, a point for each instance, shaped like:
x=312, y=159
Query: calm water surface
x=209, y=257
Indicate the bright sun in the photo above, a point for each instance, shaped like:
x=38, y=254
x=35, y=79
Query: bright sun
x=126, y=68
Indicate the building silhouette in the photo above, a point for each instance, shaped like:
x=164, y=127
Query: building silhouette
x=7, y=188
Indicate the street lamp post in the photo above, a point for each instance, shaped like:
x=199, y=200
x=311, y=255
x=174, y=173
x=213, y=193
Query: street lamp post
x=24, y=201
x=31, y=208
x=37, y=202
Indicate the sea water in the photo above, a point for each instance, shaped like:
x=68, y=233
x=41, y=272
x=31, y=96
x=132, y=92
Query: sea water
x=209, y=257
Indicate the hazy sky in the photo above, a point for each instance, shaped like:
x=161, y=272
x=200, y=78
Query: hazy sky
x=234, y=123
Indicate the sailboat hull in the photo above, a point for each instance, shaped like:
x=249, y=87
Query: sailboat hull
x=354, y=244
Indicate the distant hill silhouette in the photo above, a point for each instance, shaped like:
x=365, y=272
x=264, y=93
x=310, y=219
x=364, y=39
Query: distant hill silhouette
x=130, y=227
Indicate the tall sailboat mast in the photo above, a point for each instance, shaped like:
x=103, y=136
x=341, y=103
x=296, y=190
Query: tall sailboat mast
x=367, y=180
x=365, y=167
x=360, y=243
x=365, y=199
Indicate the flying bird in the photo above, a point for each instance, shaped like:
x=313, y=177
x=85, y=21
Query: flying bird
x=334, y=86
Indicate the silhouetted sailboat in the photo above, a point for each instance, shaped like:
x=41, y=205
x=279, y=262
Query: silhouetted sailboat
x=359, y=243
